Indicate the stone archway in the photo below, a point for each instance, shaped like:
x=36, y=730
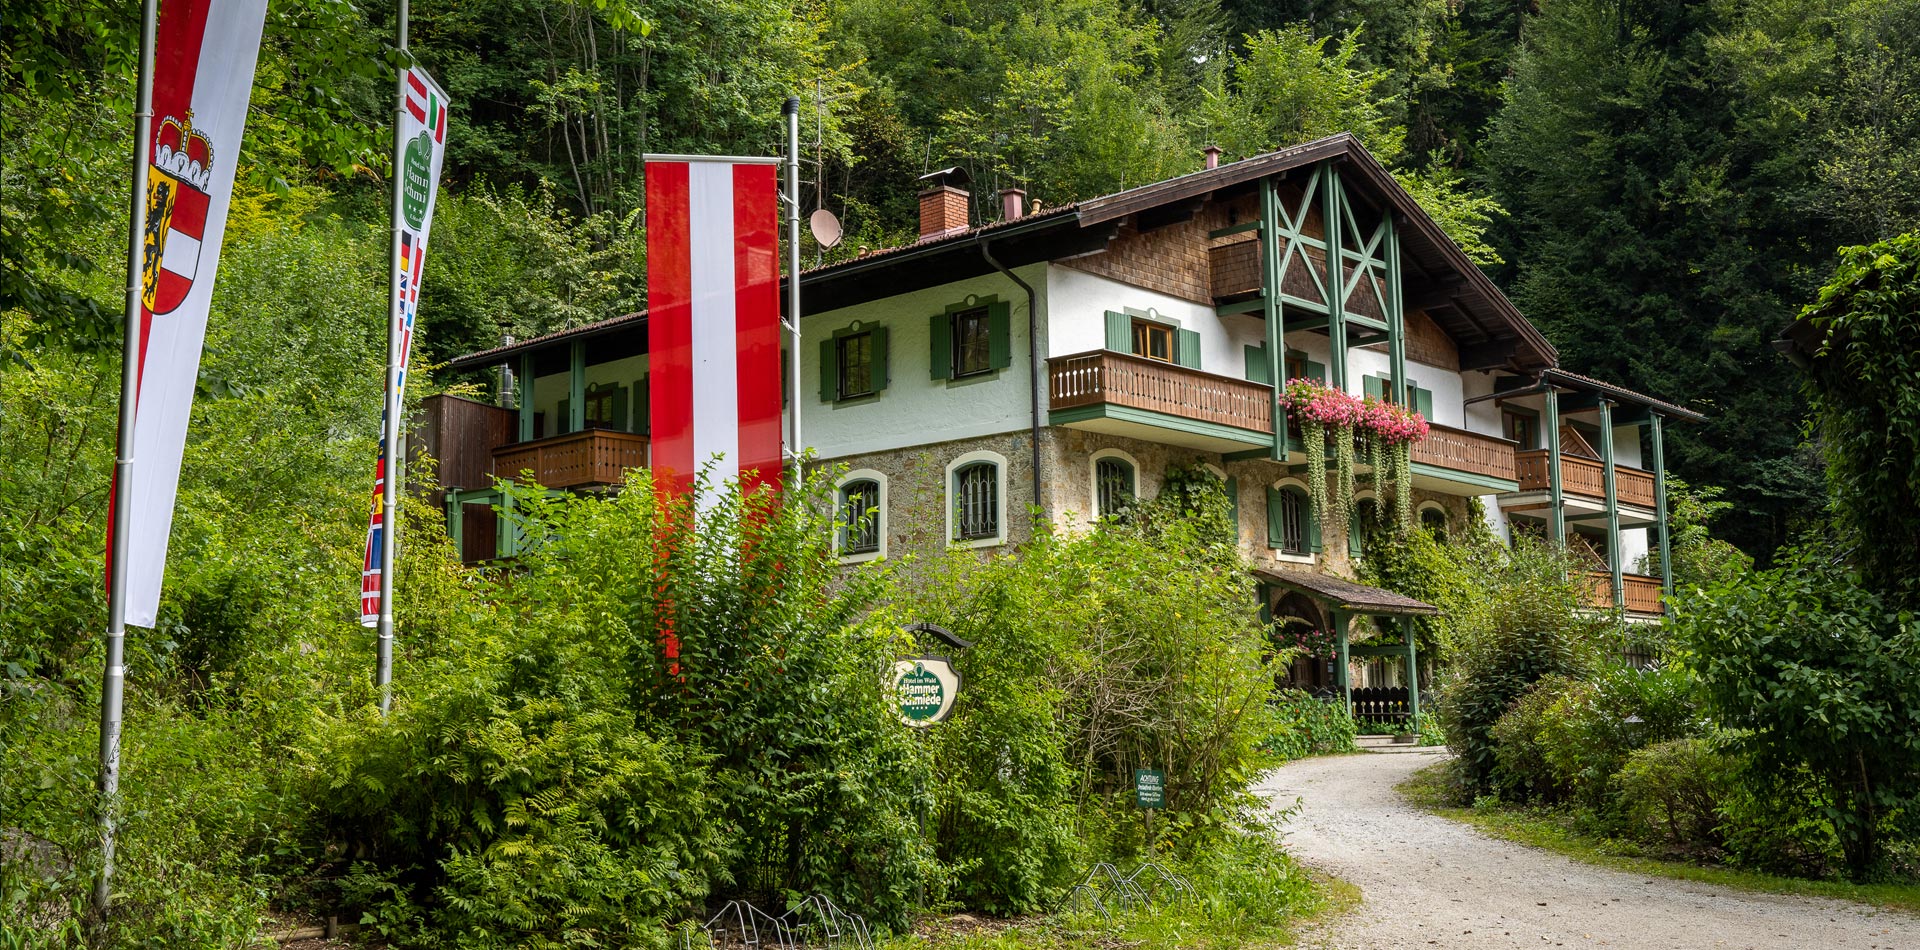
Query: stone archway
x=1312, y=673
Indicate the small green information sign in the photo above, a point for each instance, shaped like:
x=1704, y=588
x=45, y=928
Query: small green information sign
x=1150, y=788
x=924, y=688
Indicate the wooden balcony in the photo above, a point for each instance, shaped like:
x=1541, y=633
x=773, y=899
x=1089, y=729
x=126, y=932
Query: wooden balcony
x=1463, y=451
x=573, y=460
x=1642, y=593
x=1104, y=377
x=1585, y=477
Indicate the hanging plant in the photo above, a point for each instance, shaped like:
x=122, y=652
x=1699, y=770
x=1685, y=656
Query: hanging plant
x=1314, y=436
x=1389, y=430
x=1403, y=483
x=1343, y=452
x=1380, y=460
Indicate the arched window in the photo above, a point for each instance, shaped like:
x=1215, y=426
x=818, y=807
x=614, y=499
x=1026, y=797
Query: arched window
x=1115, y=484
x=1289, y=521
x=860, y=517
x=1434, y=519
x=976, y=501
x=1364, y=528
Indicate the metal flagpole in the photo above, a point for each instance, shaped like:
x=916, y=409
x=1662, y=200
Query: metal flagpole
x=390, y=417
x=792, y=110
x=113, y=685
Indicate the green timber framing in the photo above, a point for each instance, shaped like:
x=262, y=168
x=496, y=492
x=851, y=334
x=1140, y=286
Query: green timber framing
x=1344, y=601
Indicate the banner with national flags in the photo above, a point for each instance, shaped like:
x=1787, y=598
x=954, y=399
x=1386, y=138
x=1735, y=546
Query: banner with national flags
x=204, y=54
x=423, y=147
x=713, y=318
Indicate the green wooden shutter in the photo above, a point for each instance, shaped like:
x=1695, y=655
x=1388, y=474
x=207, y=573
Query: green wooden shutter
x=1119, y=332
x=940, y=349
x=1422, y=401
x=1262, y=591
x=1257, y=364
x=1375, y=386
x=1233, y=504
x=879, y=358
x=1276, y=526
x=1317, y=372
x=565, y=418
x=999, y=335
x=643, y=405
x=829, y=370
x=620, y=400
x=1186, y=349
x=1313, y=524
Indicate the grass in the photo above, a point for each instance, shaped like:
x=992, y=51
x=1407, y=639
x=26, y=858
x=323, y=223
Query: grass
x=1552, y=831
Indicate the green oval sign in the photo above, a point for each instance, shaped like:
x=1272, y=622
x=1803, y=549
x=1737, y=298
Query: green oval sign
x=924, y=688
x=416, y=181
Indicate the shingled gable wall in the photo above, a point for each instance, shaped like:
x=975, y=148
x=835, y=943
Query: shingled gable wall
x=1173, y=260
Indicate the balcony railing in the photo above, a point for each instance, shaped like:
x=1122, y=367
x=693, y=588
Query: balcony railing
x=1585, y=477
x=1120, y=379
x=1640, y=592
x=587, y=457
x=1463, y=451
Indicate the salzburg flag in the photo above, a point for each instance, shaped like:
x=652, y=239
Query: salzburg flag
x=204, y=54
x=423, y=145
x=713, y=318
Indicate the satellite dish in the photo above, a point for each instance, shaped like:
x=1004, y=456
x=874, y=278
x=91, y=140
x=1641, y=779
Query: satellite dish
x=826, y=228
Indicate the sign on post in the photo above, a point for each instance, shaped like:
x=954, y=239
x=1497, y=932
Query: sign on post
x=1149, y=788
x=925, y=688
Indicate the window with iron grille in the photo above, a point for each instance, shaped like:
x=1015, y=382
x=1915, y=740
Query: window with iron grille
x=856, y=365
x=1293, y=521
x=972, y=342
x=860, y=517
x=1113, y=486
x=976, y=502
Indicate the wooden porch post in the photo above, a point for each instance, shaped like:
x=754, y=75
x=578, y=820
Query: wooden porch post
x=1343, y=675
x=506, y=537
x=1396, y=318
x=1660, y=513
x=1556, y=495
x=1271, y=269
x=1613, y=503
x=577, y=387
x=525, y=395
x=1413, y=672
x=456, y=514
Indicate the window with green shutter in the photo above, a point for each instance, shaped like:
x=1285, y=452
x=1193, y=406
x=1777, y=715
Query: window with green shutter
x=970, y=339
x=1290, y=525
x=853, y=364
x=1257, y=369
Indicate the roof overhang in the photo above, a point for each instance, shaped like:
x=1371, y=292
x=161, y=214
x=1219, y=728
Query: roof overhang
x=1341, y=594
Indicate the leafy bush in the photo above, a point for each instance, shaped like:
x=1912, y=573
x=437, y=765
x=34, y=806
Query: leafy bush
x=1298, y=725
x=1533, y=630
x=1673, y=792
x=1522, y=770
x=1819, y=678
x=1589, y=733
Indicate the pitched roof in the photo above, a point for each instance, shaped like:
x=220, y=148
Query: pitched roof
x=498, y=354
x=1577, y=381
x=1346, y=595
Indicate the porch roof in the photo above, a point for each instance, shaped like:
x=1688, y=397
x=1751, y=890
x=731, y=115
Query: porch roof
x=1346, y=595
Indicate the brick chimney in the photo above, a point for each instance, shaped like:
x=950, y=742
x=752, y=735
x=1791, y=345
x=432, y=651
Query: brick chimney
x=1213, y=156
x=943, y=203
x=1013, y=204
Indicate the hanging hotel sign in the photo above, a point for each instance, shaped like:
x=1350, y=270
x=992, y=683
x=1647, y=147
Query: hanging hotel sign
x=924, y=688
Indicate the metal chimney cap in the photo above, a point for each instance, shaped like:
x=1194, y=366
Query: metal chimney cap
x=955, y=176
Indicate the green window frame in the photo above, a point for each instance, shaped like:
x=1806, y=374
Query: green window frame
x=976, y=501
x=1136, y=333
x=1115, y=485
x=1381, y=388
x=1296, y=365
x=1364, y=527
x=853, y=363
x=970, y=339
x=1290, y=525
x=860, y=502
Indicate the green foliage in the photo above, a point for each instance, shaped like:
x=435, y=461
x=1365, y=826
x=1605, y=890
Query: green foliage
x=1533, y=630
x=1818, y=676
x=1299, y=725
x=1864, y=385
x=1127, y=647
x=1674, y=792
x=1699, y=558
x=1522, y=770
x=1447, y=572
x=1588, y=734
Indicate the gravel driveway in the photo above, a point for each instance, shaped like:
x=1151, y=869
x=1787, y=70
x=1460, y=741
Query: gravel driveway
x=1428, y=881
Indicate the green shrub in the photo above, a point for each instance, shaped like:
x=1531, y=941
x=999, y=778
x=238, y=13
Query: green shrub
x=1588, y=735
x=1522, y=771
x=1534, y=629
x=1299, y=726
x=1673, y=791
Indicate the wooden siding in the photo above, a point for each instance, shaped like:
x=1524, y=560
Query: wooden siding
x=1464, y=451
x=1586, y=478
x=461, y=435
x=588, y=457
x=1120, y=379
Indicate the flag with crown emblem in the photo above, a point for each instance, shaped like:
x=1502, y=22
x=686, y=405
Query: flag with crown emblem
x=203, y=59
x=423, y=134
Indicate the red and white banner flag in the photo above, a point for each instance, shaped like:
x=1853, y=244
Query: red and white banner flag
x=423, y=147
x=204, y=52
x=713, y=318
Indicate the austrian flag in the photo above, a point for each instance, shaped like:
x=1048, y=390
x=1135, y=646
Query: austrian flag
x=713, y=320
